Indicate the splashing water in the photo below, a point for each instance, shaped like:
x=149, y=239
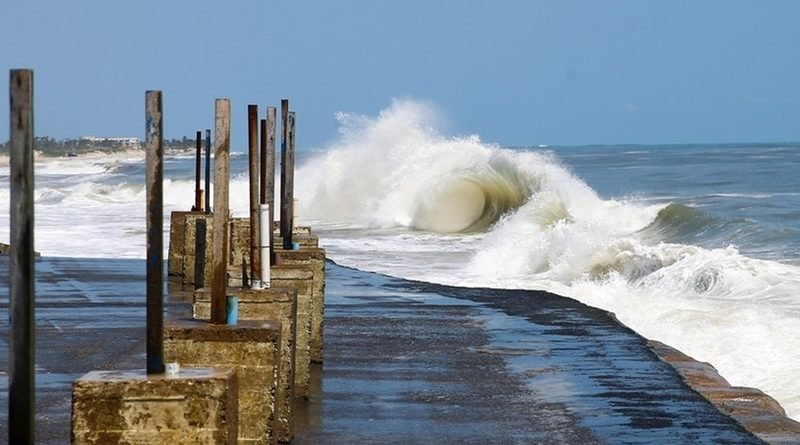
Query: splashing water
x=395, y=196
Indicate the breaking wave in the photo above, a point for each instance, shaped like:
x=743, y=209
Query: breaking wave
x=457, y=210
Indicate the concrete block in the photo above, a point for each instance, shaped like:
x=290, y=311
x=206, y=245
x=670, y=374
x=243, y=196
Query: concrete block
x=304, y=241
x=240, y=240
x=177, y=222
x=195, y=406
x=301, y=279
x=182, y=239
x=190, y=247
x=267, y=304
x=253, y=349
x=315, y=258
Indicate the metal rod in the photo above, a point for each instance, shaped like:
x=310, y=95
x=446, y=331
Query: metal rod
x=287, y=176
x=198, y=195
x=154, y=155
x=21, y=372
x=200, y=253
x=266, y=234
x=208, y=171
x=252, y=139
x=222, y=134
x=270, y=185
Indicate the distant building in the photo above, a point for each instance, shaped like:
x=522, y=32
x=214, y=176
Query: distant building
x=123, y=142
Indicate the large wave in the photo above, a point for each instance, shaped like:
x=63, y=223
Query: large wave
x=526, y=221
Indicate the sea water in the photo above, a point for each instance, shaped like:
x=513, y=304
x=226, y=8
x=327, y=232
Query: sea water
x=694, y=245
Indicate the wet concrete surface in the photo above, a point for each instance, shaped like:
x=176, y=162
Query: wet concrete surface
x=404, y=363
x=417, y=363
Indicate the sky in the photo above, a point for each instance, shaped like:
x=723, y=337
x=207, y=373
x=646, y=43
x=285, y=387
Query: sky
x=517, y=73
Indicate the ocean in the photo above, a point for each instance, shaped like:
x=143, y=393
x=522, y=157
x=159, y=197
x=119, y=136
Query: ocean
x=694, y=245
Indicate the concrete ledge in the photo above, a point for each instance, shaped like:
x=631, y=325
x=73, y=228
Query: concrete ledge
x=314, y=257
x=197, y=405
x=304, y=241
x=267, y=304
x=755, y=411
x=296, y=230
x=252, y=348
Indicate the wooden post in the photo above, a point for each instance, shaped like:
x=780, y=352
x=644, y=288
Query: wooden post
x=262, y=161
x=21, y=370
x=154, y=156
x=252, y=138
x=269, y=187
x=287, y=176
x=198, y=195
x=222, y=134
x=208, y=171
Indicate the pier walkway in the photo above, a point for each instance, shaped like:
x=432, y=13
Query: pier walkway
x=404, y=363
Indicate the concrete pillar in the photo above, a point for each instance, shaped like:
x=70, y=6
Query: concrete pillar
x=252, y=348
x=300, y=278
x=198, y=405
x=315, y=258
x=267, y=304
x=178, y=244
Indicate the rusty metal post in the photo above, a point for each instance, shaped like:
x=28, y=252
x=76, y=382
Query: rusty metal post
x=208, y=171
x=222, y=136
x=252, y=140
x=154, y=155
x=262, y=159
x=21, y=367
x=287, y=176
x=199, y=253
x=198, y=195
x=269, y=187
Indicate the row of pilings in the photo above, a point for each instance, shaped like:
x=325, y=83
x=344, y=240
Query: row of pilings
x=231, y=373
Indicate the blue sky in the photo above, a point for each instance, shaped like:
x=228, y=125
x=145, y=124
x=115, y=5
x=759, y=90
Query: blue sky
x=514, y=72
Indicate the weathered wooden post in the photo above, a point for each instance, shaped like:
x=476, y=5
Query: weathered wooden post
x=287, y=176
x=208, y=171
x=154, y=153
x=255, y=253
x=292, y=150
x=262, y=159
x=198, y=191
x=21, y=370
x=222, y=133
x=269, y=181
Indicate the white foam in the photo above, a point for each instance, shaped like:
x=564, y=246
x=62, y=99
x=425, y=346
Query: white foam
x=738, y=313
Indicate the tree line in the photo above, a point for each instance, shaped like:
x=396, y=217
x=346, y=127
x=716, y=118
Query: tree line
x=73, y=147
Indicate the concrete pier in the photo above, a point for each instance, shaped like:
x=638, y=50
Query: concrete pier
x=315, y=258
x=198, y=405
x=252, y=349
x=267, y=304
x=468, y=375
